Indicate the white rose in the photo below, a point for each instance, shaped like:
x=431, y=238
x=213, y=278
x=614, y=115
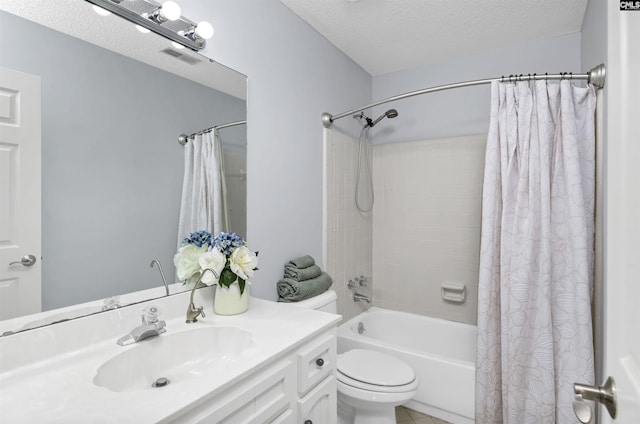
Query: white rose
x=186, y=260
x=243, y=262
x=214, y=260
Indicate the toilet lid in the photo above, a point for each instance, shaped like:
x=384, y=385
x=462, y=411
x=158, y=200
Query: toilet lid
x=375, y=368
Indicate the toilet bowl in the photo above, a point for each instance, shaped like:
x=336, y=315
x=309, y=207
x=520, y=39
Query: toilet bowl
x=370, y=384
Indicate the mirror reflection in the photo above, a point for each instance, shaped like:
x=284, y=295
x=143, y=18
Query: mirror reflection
x=112, y=167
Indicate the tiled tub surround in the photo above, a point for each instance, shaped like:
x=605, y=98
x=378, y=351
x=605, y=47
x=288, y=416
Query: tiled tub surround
x=47, y=374
x=426, y=224
x=348, y=233
x=424, y=230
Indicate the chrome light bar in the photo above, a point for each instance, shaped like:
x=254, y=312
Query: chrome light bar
x=148, y=14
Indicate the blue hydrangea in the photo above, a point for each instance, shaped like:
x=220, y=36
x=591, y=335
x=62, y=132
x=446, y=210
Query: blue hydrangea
x=199, y=238
x=227, y=242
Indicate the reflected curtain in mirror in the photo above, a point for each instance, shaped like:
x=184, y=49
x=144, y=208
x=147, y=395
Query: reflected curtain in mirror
x=204, y=192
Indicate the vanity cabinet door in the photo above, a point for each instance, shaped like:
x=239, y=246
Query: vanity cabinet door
x=320, y=405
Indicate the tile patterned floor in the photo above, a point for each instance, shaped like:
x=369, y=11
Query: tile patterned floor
x=409, y=416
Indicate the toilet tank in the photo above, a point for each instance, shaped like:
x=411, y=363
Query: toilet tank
x=323, y=302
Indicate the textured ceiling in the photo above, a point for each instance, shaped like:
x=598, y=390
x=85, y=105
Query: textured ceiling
x=391, y=35
x=77, y=18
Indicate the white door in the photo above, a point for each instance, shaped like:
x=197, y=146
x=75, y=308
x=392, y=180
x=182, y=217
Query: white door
x=20, y=227
x=622, y=269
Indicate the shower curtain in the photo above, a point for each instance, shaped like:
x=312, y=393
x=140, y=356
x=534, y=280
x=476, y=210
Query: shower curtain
x=537, y=253
x=204, y=192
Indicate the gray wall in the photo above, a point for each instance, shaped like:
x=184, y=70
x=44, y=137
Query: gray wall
x=112, y=167
x=593, y=46
x=464, y=111
x=294, y=75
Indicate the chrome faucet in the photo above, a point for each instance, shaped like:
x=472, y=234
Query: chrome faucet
x=151, y=326
x=357, y=297
x=164, y=280
x=192, y=312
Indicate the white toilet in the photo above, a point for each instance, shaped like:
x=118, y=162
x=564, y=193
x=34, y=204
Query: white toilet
x=370, y=384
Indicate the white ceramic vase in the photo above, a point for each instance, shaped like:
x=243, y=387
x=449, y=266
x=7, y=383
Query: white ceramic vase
x=229, y=301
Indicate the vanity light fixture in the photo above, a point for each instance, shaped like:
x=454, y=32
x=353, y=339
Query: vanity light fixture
x=162, y=18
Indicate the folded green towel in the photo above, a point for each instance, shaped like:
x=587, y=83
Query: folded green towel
x=302, y=262
x=302, y=274
x=291, y=290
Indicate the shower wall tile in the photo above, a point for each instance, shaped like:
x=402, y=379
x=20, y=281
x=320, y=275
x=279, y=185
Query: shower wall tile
x=426, y=224
x=348, y=233
x=424, y=230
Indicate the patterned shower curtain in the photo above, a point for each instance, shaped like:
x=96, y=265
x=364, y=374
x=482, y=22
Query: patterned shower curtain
x=204, y=192
x=537, y=253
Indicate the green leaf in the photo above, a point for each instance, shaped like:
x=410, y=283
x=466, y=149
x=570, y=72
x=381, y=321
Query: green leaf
x=227, y=277
x=241, y=283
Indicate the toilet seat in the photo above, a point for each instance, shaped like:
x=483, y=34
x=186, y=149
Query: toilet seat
x=375, y=388
x=375, y=371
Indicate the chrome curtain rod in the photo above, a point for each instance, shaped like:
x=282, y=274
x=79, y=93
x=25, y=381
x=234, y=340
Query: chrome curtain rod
x=595, y=76
x=230, y=124
x=183, y=138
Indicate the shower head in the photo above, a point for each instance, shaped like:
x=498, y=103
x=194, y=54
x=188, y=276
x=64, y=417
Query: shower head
x=391, y=113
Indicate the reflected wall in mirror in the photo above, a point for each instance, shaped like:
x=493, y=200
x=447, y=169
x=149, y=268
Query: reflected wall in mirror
x=112, y=166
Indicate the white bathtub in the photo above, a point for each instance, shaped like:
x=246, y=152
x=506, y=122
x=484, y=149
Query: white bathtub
x=441, y=352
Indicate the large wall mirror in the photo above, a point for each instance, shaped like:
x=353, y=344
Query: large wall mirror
x=114, y=102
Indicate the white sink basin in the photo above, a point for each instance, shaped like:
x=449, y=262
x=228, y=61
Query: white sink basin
x=174, y=356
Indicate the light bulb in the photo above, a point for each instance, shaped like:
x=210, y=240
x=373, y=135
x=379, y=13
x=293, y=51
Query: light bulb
x=204, y=30
x=170, y=10
x=142, y=29
x=100, y=11
x=177, y=45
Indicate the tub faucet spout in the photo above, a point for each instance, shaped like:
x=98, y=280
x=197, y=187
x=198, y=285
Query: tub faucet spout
x=357, y=297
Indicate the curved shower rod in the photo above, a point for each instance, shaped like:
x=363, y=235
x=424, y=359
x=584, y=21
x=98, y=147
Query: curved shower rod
x=183, y=138
x=595, y=76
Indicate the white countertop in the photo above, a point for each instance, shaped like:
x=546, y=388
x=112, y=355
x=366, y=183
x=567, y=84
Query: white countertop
x=46, y=374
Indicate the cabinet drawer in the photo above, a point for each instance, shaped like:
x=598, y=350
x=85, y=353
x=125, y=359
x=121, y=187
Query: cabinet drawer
x=320, y=405
x=316, y=361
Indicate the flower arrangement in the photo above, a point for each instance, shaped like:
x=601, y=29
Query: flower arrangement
x=227, y=254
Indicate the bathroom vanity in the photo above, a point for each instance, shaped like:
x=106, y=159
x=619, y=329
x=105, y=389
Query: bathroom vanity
x=275, y=363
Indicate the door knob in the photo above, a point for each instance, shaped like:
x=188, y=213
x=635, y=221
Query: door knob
x=27, y=260
x=605, y=394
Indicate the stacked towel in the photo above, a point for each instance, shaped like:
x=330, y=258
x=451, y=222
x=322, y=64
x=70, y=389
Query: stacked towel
x=301, y=262
x=302, y=274
x=302, y=279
